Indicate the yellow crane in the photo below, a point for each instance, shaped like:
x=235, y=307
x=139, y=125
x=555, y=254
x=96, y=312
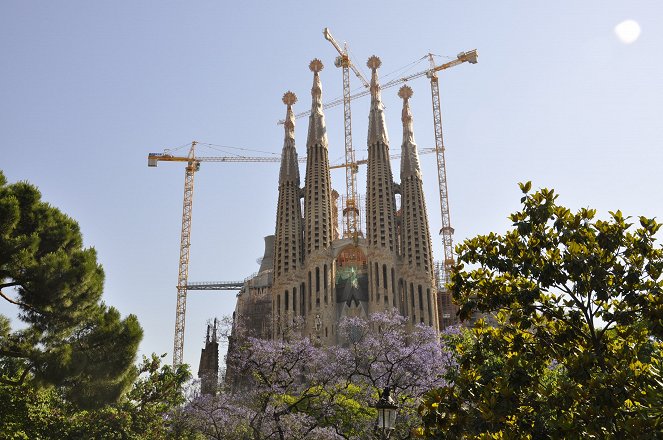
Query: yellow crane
x=192, y=166
x=445, y=305
x=351, y=209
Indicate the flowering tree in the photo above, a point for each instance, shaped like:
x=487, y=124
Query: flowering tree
x=296, y=388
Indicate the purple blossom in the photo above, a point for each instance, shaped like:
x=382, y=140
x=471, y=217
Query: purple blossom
x=296, y=389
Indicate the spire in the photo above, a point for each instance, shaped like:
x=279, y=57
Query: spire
x=317, y=131
x=289, y=164
x=409, y=154
x=286, y=252
x=317, y=182
x=377, y=129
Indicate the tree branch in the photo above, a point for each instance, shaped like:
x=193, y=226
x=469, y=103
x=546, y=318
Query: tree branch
x=16, y=382
x=13, y=301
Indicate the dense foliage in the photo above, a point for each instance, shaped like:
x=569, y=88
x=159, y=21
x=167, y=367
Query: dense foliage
x=299, y=389
x=68, y=337
x=575, y=349
x=148, y=411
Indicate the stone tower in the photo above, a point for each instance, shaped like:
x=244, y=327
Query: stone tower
x=416, y=251
x=318, y=221
x=288, y=242
x=381, y=240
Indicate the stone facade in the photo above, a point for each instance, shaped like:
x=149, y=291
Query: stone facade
x=318, y=277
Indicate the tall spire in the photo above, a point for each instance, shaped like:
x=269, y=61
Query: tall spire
x=317, y=130
x=318, y=221
x=381, y=239
x=317, y=196
x=289, y=164
x=409, y=153
x=288, y=237
x=417, y=263
x=380, y=199
x=377, y=129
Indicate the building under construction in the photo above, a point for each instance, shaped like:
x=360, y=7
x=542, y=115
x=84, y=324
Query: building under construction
x=319, y=265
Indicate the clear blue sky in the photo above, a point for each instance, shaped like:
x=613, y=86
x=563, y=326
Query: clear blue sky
x=89, y=88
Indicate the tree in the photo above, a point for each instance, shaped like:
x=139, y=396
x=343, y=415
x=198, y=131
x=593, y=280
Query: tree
x=295, y=388
x=576, y=348
x=70, y=339
x=148, y=411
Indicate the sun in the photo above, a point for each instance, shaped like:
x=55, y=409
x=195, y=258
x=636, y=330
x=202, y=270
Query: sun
x=628, y=31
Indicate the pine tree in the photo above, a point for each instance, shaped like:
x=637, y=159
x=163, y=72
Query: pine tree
x=69, y=338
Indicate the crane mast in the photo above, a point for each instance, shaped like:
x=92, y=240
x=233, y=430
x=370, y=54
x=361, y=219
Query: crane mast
x=351, y=210
x=446, y=231
x=445, y=305
x=185, y=245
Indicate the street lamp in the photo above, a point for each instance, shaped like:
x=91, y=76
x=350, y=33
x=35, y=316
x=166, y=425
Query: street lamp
x=387, y=409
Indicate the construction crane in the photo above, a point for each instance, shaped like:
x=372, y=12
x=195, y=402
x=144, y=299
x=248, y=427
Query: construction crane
x=192, y=165
x=351, y=210
x=446, y=231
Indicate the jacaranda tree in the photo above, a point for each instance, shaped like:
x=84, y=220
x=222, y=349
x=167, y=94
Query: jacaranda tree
x=296, y=388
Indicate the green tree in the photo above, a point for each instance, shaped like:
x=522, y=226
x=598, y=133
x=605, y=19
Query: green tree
x=575, y=351
x=150, y=410
x=69, y=338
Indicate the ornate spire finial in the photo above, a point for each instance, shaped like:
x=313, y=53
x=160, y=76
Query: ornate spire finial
x=377, y=129
x=317, y=132
x=374, y=63
x=405, y=92
x=289, y=98
x=316, y=65
x=289, y=165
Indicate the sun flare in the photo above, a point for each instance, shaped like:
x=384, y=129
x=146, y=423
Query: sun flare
x=628, y=31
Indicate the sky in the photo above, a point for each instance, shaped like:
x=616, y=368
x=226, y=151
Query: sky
x=90, y=88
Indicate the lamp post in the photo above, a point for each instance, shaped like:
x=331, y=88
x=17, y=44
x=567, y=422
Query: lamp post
x=387, y=409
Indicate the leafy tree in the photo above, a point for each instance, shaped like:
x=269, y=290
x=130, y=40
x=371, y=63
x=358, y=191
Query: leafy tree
x=575, y=350
x=149, y=411
x=69, y=338
x=296, y=388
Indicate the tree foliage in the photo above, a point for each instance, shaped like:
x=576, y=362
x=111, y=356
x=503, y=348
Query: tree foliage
x=575, y=351
x=148, y=411
x=296, y=388
x=69, y=338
